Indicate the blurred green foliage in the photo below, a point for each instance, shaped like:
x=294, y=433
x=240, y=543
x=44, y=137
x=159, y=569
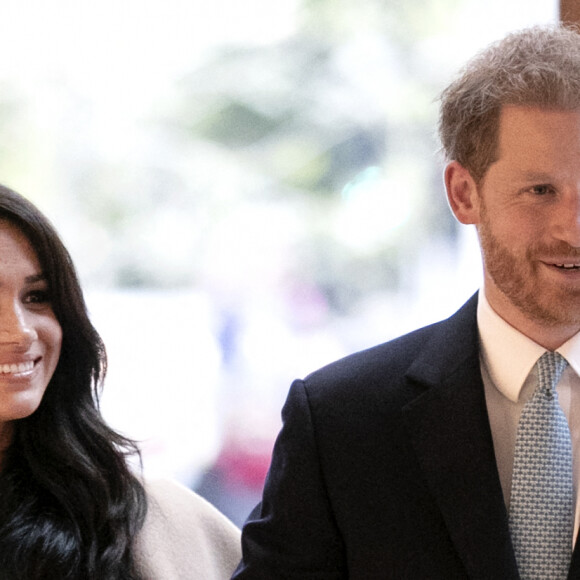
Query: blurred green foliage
x=313, y=155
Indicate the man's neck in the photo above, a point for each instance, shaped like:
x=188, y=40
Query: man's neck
x=550, y=336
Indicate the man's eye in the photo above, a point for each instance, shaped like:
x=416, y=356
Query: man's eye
x=542, y=189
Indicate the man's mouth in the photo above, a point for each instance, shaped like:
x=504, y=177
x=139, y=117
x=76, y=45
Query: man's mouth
x=568, y=266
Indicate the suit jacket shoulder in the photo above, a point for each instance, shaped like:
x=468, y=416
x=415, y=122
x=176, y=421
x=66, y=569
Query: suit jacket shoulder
x=398, y=370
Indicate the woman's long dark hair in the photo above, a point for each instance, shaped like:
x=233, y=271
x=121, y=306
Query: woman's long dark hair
x=69, y=505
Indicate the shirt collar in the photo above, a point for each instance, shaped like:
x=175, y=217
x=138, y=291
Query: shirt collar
x=508, y=355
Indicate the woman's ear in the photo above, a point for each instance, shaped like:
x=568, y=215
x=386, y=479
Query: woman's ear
x=462, y=193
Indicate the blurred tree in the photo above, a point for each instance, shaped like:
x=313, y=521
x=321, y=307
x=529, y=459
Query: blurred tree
x=349, y=91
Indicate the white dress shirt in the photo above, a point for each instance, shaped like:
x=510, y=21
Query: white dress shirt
x=508, y=361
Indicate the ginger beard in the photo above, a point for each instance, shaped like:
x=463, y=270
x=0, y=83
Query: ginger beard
x=521, y=277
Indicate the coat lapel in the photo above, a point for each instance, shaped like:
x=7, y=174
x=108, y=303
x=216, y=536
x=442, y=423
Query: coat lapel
x=449, y=430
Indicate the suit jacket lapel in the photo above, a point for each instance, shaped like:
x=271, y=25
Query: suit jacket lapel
x=449, y=430
x=574, y=572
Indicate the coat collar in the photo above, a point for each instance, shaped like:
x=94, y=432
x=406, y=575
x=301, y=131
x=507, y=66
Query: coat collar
x=449, y=430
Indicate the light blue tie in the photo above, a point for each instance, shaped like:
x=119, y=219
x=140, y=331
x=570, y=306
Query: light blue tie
x=541, y=515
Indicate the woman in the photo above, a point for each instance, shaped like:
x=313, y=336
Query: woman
x=70, y=508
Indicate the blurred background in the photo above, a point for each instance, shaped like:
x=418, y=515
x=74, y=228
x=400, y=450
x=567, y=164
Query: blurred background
x=250, y=190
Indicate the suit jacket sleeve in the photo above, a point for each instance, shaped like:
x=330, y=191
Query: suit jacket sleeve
x=292, y=534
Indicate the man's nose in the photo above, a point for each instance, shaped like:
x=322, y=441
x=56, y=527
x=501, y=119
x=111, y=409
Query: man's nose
x=15, y=326
x=568, y=219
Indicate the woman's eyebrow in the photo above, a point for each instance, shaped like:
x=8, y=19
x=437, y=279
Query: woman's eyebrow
x=35, y=278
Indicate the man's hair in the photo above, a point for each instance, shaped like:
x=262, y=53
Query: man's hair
x=538, y=66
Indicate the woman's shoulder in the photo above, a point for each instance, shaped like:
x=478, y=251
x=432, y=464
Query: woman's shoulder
x=184, y=536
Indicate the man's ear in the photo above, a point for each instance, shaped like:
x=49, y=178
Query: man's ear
x=462, y=193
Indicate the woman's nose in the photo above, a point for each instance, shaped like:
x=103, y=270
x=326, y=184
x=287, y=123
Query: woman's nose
x=15, y=326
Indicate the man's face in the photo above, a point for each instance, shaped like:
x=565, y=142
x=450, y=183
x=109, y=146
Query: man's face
x=529, y=221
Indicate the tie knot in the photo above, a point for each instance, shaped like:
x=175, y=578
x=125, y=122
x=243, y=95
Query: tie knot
x=551, y=365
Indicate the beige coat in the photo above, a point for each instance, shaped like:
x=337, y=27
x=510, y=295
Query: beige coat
x=184, y=537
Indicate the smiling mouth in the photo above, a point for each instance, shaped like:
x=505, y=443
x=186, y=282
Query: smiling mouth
x=16, y=368
x=567, y=266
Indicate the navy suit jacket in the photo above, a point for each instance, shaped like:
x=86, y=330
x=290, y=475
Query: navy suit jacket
x=385, y=469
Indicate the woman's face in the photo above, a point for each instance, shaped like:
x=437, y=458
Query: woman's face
x=30, y=334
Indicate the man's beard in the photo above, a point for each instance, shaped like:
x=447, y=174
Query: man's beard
x=518, y=278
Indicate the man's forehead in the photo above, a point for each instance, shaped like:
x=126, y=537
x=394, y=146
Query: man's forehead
x=538, y=127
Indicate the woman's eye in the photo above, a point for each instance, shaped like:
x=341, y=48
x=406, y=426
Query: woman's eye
x=37, y=297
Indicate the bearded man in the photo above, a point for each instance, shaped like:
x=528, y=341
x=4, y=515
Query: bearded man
x=454, y=451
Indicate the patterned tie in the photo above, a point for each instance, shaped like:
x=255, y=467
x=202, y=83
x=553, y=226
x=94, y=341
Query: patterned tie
x=541, y=517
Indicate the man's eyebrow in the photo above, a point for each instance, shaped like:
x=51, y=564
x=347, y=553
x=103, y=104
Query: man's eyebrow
x=536, y=176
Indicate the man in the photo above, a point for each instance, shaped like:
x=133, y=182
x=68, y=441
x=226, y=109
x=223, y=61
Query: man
x=408, y=460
